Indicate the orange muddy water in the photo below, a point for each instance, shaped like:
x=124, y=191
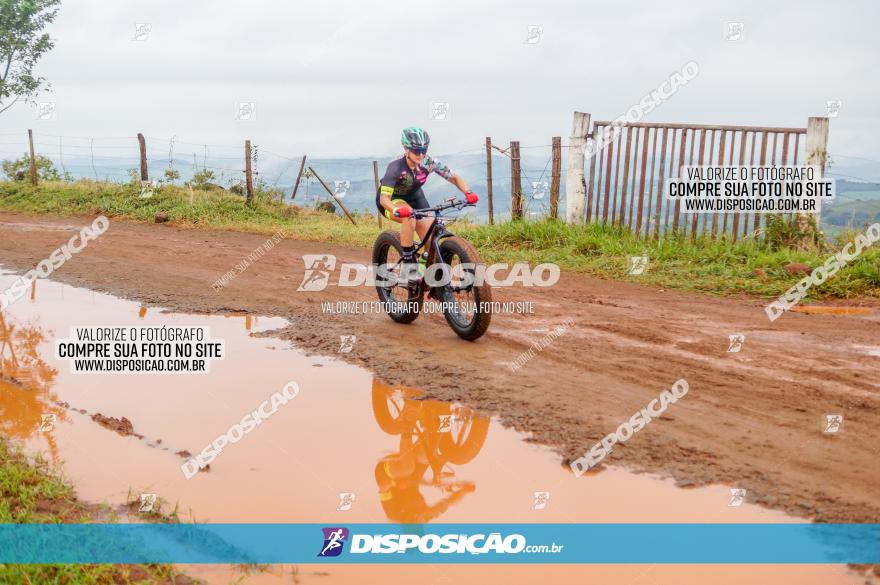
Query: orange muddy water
x=348, y=448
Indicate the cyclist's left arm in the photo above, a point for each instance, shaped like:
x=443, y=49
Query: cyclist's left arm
x=433, y=165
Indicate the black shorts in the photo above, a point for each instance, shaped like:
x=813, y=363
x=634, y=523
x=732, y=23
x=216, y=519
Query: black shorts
x=416, y=200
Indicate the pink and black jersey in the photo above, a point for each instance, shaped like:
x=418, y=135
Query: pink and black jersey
x=402, y=182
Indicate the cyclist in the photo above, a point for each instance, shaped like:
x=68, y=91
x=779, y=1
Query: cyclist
x=400, y=191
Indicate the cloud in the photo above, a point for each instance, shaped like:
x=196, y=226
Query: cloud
x=341, y=78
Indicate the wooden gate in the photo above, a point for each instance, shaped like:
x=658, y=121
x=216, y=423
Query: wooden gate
x=625, y=178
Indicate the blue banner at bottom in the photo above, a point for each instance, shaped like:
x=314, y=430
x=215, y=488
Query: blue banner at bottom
x=442, y=543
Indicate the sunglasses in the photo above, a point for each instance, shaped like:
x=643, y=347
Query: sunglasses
x=419, y=151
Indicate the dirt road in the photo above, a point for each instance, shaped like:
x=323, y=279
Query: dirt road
x=752, y=419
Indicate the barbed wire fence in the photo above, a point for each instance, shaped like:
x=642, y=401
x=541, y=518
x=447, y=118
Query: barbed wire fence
x=524, y=181
x=118, y=159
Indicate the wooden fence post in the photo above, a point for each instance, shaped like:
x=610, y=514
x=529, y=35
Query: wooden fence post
x=33, y=169
x=248, y=176
x=333, y=195
x=142, y=145
x=555, y=177
x=516, y=196
x=489, y=179
x=816, y=156
x=299, y=175
x=376, y=184
x=574, y=177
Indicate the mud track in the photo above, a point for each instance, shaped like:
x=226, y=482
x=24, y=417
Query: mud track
x=752, y=419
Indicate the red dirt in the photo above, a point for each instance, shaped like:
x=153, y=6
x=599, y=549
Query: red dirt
x=752, y=419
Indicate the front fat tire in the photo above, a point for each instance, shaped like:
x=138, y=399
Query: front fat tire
x=460, y=454
x=482, y=294
x=411, y=309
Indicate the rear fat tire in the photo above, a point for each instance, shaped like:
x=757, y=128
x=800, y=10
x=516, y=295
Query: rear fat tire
x=387, y=240
x=388, y=422
x=459, y=454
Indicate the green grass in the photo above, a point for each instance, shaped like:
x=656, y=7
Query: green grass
x=718, y=267
x=705, y=265
x=23, y=485
x=199, y=208
x=29, y=493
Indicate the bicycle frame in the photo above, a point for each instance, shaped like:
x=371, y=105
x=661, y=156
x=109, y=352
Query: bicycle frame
x=436, y=231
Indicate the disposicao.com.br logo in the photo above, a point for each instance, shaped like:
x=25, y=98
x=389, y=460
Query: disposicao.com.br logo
x=334, y=540
x=320, y=267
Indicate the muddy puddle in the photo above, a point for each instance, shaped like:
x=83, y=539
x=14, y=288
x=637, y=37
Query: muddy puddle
x=347, y=449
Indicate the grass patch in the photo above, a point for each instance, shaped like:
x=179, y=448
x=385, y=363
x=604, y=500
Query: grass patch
x=719, y=266
x=196, y=208
x=29, y=493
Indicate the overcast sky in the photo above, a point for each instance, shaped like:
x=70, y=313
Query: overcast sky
x=342, y=78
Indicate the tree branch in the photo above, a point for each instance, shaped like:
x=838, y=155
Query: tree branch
x=8, y=65
x=12, y=103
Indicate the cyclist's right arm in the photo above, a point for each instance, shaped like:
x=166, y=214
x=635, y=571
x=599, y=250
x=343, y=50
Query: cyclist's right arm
x=385, y=194
x=388, y=184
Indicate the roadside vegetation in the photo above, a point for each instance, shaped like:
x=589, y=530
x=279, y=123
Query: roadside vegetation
x=31, y=494
x=755, y=266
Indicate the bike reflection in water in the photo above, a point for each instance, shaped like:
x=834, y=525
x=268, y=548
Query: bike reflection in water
x=433, y=436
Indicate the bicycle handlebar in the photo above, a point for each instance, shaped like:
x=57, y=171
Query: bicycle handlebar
x=460, y=204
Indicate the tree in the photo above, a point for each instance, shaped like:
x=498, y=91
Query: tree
x=202, y=179
x=17, y=170
x=22, y=43
x=171, y=175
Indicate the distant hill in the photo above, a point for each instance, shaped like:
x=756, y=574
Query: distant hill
x=845, y=186
x=856, y=202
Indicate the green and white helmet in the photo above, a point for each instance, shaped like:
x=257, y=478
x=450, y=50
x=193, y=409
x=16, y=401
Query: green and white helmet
x=414, y=137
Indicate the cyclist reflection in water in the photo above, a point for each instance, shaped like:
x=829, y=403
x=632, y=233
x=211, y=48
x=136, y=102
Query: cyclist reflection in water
x=400, y=476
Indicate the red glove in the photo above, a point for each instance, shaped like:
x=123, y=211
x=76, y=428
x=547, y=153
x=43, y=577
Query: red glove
x=403, y=211
x=471, y=197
